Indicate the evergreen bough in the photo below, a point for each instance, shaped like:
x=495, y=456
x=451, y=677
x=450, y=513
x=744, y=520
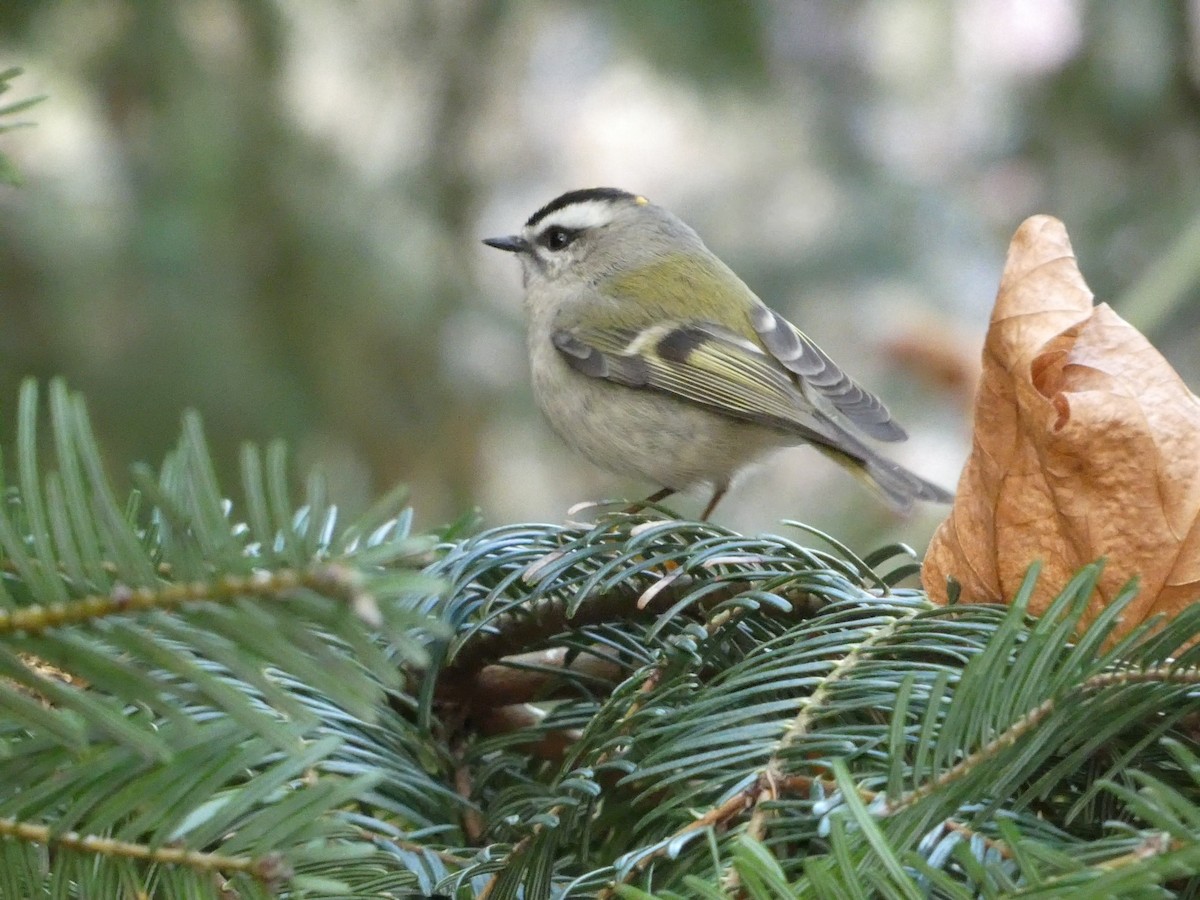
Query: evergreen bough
x=206, y=697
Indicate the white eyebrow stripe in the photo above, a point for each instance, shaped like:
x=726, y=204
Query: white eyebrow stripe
x=587, y=214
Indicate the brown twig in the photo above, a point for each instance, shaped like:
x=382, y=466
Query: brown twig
x=516, y=631
x=270, y=870
x=472, y=820
x=551, y=745
x=331, y=580
x=524, y=677
x=1153, y=845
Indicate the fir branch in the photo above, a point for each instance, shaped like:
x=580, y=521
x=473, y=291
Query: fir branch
x=632, y=703
x=749, y=800
x=664, y=566
x=1153, y=845
x=513, y=633
x=709, y=697
x=803, y=721
x=183, y=693
x=649, y=682
x=774, y=771
x=330, y=580
x=716, y=817
x=1032, y=719
x=270, y=870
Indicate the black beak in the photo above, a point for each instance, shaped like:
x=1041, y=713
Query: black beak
x=514, y=243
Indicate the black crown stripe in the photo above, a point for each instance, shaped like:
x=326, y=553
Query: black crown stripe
x=603, y=193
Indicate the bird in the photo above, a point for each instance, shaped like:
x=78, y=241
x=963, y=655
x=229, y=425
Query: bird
x=653, y=359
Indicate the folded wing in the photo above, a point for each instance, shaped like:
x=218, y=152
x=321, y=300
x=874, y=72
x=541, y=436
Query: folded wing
x=797, y=352
x=702, y=363
x=717, y=368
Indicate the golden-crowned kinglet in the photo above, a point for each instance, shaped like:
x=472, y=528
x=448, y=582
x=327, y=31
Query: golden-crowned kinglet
x=652, y=358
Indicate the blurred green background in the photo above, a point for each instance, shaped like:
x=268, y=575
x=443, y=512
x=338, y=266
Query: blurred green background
x=271, y=211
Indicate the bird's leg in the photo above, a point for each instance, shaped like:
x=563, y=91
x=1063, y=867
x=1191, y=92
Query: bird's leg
x=656, y=497
x=712, y=504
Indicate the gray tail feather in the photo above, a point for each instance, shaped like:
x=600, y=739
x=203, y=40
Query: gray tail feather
x=901, y=487
x=898, y=486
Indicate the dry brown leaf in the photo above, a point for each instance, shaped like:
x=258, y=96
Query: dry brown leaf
x=1086, y=445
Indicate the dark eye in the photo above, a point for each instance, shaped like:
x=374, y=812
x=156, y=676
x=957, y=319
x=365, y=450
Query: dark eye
x=557, y=237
